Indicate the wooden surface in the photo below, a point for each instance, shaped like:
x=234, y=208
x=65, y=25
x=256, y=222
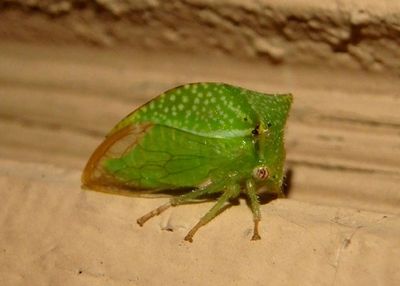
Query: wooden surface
x=361, y=34
x=340, y=225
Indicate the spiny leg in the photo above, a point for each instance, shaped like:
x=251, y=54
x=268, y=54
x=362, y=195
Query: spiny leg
x=231, y=192
x=255, y=207
x=183, y=199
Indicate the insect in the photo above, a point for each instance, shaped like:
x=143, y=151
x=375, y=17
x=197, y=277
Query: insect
x=196, y=142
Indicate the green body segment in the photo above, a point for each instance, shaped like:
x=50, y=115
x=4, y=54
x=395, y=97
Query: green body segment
x=212, y=110
x=199, y=128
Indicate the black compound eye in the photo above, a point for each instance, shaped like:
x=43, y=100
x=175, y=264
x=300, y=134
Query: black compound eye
x=255, y=130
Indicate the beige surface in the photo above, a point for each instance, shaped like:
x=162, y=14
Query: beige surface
x=340, y=225
x=55, y=234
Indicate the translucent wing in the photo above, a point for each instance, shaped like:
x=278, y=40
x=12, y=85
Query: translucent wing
x=156, y=157
x=117, y=144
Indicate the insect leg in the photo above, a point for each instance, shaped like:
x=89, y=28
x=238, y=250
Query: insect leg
x=231, y=192
x=194, y=195
x=255, y=207
x=183, y=199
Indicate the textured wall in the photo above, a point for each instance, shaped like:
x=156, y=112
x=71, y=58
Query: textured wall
x=343, y=33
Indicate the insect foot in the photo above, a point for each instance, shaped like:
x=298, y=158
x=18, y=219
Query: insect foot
x=153, y=213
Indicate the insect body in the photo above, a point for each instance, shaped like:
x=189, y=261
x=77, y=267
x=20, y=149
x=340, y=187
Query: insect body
x=200, y=140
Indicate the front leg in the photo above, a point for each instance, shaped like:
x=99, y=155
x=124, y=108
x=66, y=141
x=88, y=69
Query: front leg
x=231, y=192
x=255, y=207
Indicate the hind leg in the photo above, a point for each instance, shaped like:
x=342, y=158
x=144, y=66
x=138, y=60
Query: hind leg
x=187, y=198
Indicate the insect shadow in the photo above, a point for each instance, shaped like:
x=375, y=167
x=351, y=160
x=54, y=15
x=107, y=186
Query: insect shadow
x=288, y=182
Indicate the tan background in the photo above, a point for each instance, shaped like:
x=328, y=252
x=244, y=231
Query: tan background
x=69, y=70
